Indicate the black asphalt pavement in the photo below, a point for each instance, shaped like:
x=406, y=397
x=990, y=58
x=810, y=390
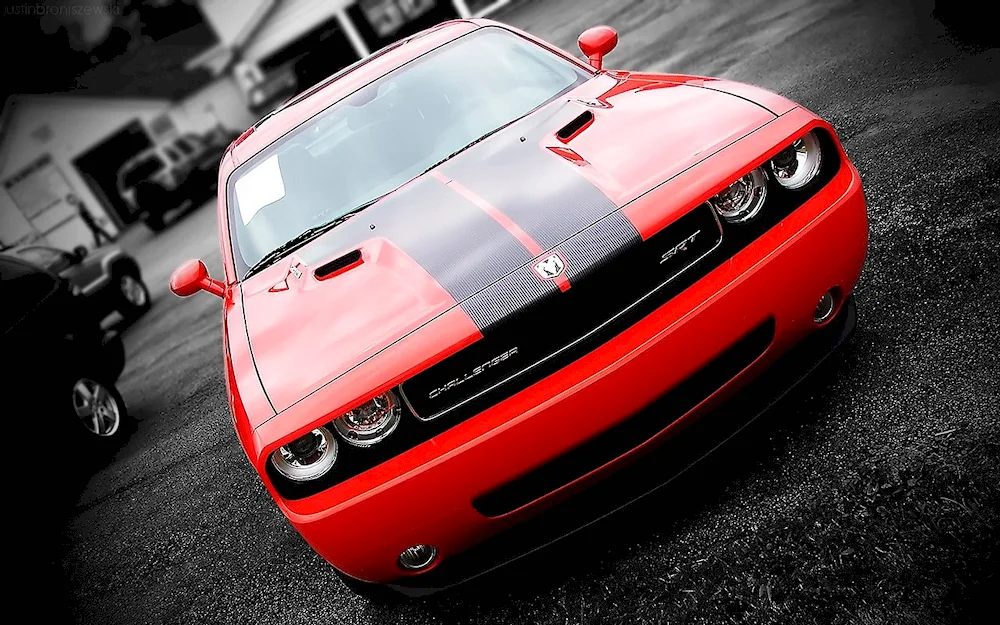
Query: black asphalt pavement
x=178, y=529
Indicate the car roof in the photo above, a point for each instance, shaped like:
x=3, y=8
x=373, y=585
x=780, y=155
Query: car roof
x=317, y=98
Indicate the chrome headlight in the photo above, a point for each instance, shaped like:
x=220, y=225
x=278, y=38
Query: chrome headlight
x=370, y=422
x=742, y=200
x=797, y=165
x=308, y=457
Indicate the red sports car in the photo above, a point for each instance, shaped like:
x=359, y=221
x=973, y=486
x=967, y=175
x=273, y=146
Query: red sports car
x=472, y=276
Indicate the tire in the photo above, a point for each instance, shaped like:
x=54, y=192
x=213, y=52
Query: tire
x=99, y=414
x=133, y=296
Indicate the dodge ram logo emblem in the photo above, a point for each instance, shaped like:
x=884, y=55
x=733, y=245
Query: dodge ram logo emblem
x=552, y=266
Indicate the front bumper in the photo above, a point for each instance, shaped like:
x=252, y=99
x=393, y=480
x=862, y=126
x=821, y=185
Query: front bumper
x=427, y=494
x=708, y=435
x=434, y=492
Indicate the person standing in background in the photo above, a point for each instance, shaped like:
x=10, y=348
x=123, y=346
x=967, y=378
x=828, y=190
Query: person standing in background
x=89, y=220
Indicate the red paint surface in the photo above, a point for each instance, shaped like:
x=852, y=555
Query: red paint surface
x=780, y=276
x=307, y=335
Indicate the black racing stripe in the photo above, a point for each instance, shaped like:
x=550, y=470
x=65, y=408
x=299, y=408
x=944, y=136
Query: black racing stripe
x=459, y=245
x=598, y=245
x=505, y=300
x=482, y=265
x=544, y=194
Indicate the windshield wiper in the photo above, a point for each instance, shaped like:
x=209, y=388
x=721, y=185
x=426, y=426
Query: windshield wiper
x=305, y=236
x=463, y=148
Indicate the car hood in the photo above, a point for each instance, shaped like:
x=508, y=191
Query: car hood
x=99, y=256
x=481, y=218
x=90, y=271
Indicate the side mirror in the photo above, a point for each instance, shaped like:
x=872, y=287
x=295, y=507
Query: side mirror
x=192, y=277
x=79, y=253
x=597, y=42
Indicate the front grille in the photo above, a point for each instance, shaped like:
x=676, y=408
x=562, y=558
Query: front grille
x=611, y=270
x=721, y=434
x=631, y=433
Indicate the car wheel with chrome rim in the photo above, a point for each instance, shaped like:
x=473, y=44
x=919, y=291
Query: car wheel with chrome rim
x=99, y=410
x=133, y=296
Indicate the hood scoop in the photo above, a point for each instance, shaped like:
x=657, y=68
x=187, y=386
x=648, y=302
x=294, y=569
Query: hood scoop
x=339, y=265
x=575, y=126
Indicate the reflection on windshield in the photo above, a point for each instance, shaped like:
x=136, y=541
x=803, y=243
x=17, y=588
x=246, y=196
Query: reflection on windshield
x=38, y=255
x=387, y=133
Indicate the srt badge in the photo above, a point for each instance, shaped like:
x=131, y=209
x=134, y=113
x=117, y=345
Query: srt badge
x=680, y=247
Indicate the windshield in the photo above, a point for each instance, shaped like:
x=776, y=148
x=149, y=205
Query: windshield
x=387, y=133
x=39, y=255
x=22, y=288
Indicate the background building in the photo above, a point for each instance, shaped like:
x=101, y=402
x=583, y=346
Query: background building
x=226, y=63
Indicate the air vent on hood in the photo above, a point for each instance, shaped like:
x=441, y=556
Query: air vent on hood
x=339, y=265
x=575, y=126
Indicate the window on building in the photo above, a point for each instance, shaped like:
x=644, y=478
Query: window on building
x=388, y=16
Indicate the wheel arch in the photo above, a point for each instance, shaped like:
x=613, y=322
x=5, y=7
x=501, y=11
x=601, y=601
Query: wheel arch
x=124, y=265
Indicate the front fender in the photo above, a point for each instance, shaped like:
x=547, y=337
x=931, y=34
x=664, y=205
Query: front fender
x=113, y=356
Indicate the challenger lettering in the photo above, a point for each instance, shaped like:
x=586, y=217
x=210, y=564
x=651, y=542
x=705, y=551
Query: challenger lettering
x=496, y=360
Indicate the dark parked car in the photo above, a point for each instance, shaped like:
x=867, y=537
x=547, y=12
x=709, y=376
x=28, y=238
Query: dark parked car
x=108, y=277
x=57, y=355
